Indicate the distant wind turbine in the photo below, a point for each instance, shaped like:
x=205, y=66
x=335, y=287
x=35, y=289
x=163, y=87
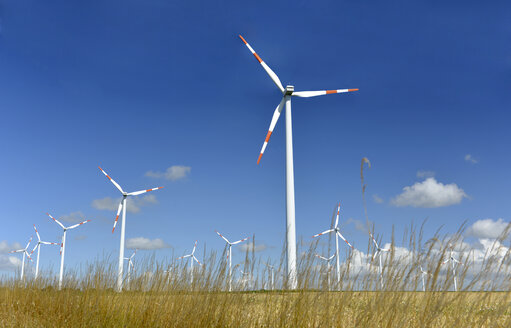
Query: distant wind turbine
x=378, y=253
x=130, y=266
x=287, y=93
x=122, y=206
x=328, y=266
x=24, y=251
x=38, y=247
x=63, y=245
x=423, y=273
x=229, y=254
x=454, y=263
x=337, y=233
x=192, y=258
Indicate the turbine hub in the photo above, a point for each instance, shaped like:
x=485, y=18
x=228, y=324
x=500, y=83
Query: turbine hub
x=289, y=90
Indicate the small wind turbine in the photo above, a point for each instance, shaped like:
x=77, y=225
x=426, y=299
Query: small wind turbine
x=272, y=269
x=229, y=254
x=378, y=253
x=337, y=233
x=328, y=266
x=192, y=258
x=24, y=251
x=244, y=279
x=454, y=263
x=38, y=247
x=423, y=273
x=287, y=93
x=122, y=206
x=130, y=266
x=63, y=245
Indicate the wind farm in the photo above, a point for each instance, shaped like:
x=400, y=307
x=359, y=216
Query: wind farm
x=165, y=97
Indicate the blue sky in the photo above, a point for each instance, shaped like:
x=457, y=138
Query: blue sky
x=139, y=86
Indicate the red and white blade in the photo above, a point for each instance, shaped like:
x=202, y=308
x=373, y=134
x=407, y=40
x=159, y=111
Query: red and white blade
x=342, y=237
x=112, y=180
x=268, y=70
x=223, y=237
x=307, y=94
x=37, y=233
x=79, y=224
x=239, y=241
x=274, y=119
x=135, y=193
x=324, y=232
x=117, y=216
x=60, y=224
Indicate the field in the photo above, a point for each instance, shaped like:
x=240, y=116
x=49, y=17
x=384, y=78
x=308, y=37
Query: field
x=105, y=308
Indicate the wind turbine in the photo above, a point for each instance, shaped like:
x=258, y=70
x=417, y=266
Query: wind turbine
x=245, y=279
x=272, y=269
x=379, y=252
x=423, y=273
x=328, y=266
x=337, y=233
x=287, y=93
x=24, y=251
x=38, y=247
x=192, y=258
x=454, y=263
x=229, y=254
x=63, y=245
x=130, y=265
x=122, y=206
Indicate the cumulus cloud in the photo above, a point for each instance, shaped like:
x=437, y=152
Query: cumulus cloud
x=358, y=224
x=173, y=173
x=9, y=263
x=425, y=174
x=73, y=217
x=429, y=193
x=377, y=199
x=251, y=247
x=146, y=243
x=487, y=228
x=134, y=203
x=471, y=159
x=6, y=248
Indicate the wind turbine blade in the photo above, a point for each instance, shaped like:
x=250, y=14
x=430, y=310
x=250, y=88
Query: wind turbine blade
x=268, y=70
x=60, y=224
x=17, y=251
x=79, y=224
x=194, y=246
x=239, y=241
x=321, y=257
x=445, y=261
x=117, y=216
x=112, y=180
x=457, y=261
x=48, y=243
x=184, y=256
x=337, y=217
x=132, y=255
x=28, y=255
x=385, y=249
x=342, y=237
x=324, y=232
x=374, y=240
x=29, y=241
x=196, y=260
x=274, y=119
x=307, y=94
x=61, y=244
x=135, y=193
x=37, y=233
x=36, y=245
x=223, y=237
x=375, y=254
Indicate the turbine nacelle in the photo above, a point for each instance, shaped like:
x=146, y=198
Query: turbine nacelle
x=289, y=90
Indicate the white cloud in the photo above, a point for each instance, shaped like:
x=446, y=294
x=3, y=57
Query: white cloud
x=134, y=203
x=6, y=248
x=429, y=193
x=487, y=228
x=173, y=173
x=146, y=243
x=425, y=174
x=250, y=247
x=73, y=217
x=9, y=263
x=470, y=159
x=377, y=199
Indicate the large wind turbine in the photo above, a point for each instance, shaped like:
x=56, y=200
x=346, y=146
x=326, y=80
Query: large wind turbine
x=122, y=206
x=378, y=253
x=337, y=233
x=130, y=266
x=229, y=254
x=24, y=251
x=454, y=263
x=287, y=93
x=63, y=245
x=192, y=258
x=38, y=247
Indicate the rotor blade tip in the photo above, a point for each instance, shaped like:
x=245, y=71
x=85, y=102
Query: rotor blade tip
x=259, y=158
x=242, y=38
x=349, y=90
